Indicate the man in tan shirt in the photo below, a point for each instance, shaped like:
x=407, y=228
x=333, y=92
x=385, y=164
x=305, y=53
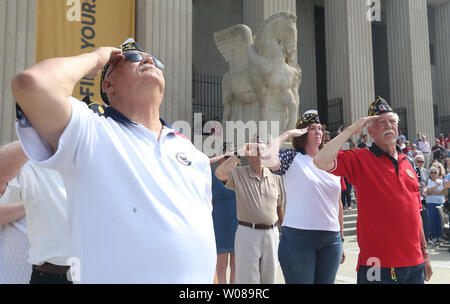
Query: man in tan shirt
x=259, y=200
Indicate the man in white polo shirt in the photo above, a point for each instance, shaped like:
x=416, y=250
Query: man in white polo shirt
x=43, y=196
x=140, y=193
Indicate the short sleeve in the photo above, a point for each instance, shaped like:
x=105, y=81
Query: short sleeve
x=12, y=193
x=286, y=158
x=281, y=196
x=79, y=133
x=230, y=181
x=346, y=165
x=21, y=188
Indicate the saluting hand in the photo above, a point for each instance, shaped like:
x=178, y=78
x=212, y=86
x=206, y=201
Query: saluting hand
x=104, y=55
x=357, y=126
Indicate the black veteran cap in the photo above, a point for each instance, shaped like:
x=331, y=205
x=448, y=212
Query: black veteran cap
x=379, y=106
x=307, y=118
x=128, y=45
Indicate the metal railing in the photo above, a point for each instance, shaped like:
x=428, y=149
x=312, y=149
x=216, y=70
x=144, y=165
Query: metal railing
x=403, y=115
x=207, y=96
x=335, y=115
x=444, y=124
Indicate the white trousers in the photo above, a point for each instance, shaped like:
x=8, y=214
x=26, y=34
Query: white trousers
x=256, y=254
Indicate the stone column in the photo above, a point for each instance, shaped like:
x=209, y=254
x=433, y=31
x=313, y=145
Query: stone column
x=17, y=48
x=350, y=73
x=256, y=11
x=409, y=63
x=306, y=51
x=164, y=28
x=442, y=25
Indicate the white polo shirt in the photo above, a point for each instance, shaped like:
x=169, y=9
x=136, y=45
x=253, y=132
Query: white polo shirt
x=140, y=208
x=43, y=196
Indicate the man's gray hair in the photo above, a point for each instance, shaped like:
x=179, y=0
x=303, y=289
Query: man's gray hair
x=419, y=156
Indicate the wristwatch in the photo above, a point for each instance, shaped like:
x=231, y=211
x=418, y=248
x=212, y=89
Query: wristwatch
x=236, y=154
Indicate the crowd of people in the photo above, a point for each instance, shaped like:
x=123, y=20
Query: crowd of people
x=118, y=196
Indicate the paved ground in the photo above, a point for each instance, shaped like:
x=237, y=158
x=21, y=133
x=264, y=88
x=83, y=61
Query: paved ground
x=440, y=261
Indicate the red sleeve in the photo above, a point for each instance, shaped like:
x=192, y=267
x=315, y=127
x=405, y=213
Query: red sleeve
x=347, y=164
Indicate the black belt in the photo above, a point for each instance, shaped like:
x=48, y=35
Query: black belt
x=51, y=268
x=257, y=226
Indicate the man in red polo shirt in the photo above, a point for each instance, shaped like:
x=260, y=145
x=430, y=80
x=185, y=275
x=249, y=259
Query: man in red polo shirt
x=390, y=234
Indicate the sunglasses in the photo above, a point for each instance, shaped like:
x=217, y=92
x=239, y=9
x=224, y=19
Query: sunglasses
x=134, y=56
x=433, y=172
x=419, y=161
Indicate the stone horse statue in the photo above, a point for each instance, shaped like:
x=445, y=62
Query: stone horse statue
x=261, y=68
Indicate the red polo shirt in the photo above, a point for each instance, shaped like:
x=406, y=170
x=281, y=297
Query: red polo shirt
x=387, y=194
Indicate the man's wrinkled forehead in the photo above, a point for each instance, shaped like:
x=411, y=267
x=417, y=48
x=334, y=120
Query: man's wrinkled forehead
x=386, y=116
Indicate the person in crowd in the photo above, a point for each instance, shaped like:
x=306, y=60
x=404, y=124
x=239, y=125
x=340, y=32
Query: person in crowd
x=363, y=143
x=423, y=174
x=45, y=204
x=414, y=152
x=393, y=248
x=442, y=140
x=407, y=148
x=225, y=220
x=310, y=249
x=14, y=245
x=435, y=197
x=326, y=137
x=438, y=150
x=440, y=168
x=402, y=136
x=260, y=199
x=349, y=143
x=139, y=191
x=401, y=143
x=418, y=138
x=425, y=148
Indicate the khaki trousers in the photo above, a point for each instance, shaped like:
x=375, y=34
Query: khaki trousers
x=256, y=254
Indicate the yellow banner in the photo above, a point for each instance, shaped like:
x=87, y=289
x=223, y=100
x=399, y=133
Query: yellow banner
x=72, y=27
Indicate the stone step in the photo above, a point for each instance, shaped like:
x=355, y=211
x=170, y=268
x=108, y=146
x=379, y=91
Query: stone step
x=349, y=231
x=350, y=224
x=350, y=218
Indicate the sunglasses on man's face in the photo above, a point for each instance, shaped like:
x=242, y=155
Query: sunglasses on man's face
x=433, y=172
x=134, y=56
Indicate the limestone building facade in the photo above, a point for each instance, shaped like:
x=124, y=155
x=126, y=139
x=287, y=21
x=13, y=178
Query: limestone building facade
x=349, y=50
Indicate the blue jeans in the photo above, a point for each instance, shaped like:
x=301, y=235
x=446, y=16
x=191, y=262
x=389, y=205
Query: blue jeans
x=435, y=221
x=383, y=275
x=309, y=256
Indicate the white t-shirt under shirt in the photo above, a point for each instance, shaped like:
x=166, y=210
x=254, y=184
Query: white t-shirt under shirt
x=43, y=196
x=140, y=208
x=312, y=194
